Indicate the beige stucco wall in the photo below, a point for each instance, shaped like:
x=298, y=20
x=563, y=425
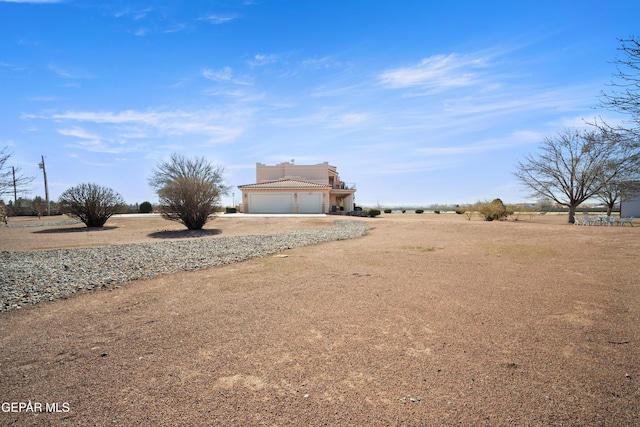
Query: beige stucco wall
x=315, y=173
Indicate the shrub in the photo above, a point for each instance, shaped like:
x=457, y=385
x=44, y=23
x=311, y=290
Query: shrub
x=146, y=207
x=387, y=211
x=436, y=212
x=373, y=212
x=230, y=210
x=91, y=203
x=189, y=190
x=419, y=211
x=460, y=209
x=494, y=210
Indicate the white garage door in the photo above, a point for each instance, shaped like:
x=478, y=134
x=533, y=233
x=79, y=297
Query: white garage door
x=309, y=203
x=277, y=203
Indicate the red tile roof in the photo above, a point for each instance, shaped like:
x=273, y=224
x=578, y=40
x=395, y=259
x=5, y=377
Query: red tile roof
x=285, y=183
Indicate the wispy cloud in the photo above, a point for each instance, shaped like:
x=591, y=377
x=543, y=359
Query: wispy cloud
x=215, y=126
x=437, y=72
x=60, y=72
x=140, y=32
x=31, y=1
x=351, y=119
x=42, y=98
x=382, y=167
x=511, y=140
x=94, y=143
x=236, y=94
x=78, y=133
x=325, y=62
x=135, y=14
x=224, y=75
x=10, y=67
x=262, y=60
x=218, y=19
x=175, y=28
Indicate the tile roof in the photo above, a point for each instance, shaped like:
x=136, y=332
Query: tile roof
x=285, y=183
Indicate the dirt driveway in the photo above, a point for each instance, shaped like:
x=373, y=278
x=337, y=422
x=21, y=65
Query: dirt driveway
x=428, y=320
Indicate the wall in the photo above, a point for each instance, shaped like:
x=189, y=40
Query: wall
x=316, y=173
x=630, y=208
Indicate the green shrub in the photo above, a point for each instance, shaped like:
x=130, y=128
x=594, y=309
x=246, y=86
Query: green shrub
x=419, y=211
x=387, y=211
x=230, y=210
x=436, y=212
x=373, y=212
x=146, y=207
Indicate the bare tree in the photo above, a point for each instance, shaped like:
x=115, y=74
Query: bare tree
x=575, y=165
x=91, y=203
x=189, y=190
x=624, y=96
x=12, y=180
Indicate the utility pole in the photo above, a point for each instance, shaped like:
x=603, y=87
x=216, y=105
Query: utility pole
x=46, y=187
x=15, y=189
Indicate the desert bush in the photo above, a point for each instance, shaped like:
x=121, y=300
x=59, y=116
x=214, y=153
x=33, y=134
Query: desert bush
x=373, y=212
x=230, y=210
x=387, y=211
x=146, y=207
x=513, y=213
x=3, y=212
x=419, y=211
x=494, y=210
x=436, y=212
x=466, y=210
x=189, y=190
x=91, y=203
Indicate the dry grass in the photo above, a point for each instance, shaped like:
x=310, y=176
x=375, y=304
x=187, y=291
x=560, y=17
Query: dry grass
x=533, y=322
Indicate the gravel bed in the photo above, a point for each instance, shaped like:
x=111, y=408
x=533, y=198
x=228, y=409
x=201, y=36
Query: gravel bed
x=31, y=277
x=42, y=224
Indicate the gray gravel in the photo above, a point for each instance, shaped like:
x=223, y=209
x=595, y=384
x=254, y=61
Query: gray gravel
x=42, y=224
x=31, y=277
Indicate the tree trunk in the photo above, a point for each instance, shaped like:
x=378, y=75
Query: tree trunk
x=609, y=208
x=572, y=214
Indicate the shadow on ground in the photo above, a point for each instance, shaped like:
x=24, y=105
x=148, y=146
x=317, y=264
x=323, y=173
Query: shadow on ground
x=73, y=230
x=182, y=234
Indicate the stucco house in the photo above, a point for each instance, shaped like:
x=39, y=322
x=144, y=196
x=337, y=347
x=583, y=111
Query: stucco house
x=287, y=188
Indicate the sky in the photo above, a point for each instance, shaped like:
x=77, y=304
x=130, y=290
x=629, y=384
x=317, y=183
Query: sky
x=416, y=102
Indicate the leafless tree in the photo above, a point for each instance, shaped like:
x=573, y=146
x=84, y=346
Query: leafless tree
x=91, y=203
x=575, y=165
x=624, y=95
x=12, y=180
x=616, y=190
x=189, y=190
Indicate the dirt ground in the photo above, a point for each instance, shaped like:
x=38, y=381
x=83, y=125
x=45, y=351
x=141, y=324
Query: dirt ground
x=428, y=320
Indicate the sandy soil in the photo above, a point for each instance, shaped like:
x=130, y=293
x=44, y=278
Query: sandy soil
x=428, y=320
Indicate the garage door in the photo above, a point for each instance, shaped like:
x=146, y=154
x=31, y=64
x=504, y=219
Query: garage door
x=277, y=203
x=309, y=203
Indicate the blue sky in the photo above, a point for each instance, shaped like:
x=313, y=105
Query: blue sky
x=417, y=102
